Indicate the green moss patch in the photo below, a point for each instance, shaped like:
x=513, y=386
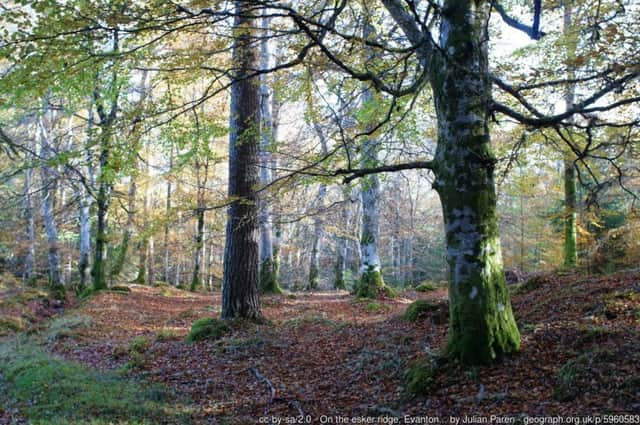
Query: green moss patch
x=48, y=391
x=207, y=328
x=426, y=287
x=437, y=311
x=419, y=379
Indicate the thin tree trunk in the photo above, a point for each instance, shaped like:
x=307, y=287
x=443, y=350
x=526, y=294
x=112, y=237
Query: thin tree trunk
x=165, y=239
x=30, y=258
x=130, y=227
x=102, y=202
x=240, y=294
x=316, y=244
x=47, y=176
x=268, y=276
x=371, y=283
x=197, y=252
x=570, y=201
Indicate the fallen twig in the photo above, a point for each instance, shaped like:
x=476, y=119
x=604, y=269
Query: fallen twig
x=295, y=404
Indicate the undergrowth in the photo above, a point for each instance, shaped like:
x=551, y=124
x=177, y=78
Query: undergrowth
x=49, y=390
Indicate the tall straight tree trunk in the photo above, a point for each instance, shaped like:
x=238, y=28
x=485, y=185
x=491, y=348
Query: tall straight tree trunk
x=143, y=244
x=482, y=326
x=165, y=238
x=240, y=295
x=570, y=201
x=30, y=258
x=99, y=270
x=197, y=252
x=130, y=227
x=343, y=245
x=371, y=283
x=268, y=267
x=84, y=217
x=316, y=244
x=47, y=176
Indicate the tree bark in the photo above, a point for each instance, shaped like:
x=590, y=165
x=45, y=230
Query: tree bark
x=30, y=258
x=482, y=326
x=371, y=283
x=99, y=270
x=47, y=176
x=268, y=276
x=240, y=296
x=570, y=199
x=165, y=238
x=316, y=244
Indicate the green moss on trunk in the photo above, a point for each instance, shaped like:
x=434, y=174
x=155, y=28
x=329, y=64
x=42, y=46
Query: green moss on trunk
x=371, y=285
x=313, y=278
x=482, y=326
x=269, y=277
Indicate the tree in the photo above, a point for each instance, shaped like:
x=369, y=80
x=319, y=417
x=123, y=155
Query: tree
x=240, y=296
x=47, y=177
x=570, y=204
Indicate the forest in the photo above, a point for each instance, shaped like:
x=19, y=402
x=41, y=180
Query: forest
x=319, y=211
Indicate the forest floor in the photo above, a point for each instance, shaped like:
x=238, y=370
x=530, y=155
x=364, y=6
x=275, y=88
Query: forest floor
x=324, y=353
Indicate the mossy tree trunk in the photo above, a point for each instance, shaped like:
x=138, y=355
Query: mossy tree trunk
x=99, y=270
x=240, y=292
x=371, y=283
x=482, y=326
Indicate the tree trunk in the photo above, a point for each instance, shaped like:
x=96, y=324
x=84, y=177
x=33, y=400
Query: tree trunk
x=84, y=266
x=343, y=246
x=482, y=326
x=268, y=277
x=129, y=231
x=99, y=270
x=30, y=258
x=570, y=203
x=240, y=296
x=197, y=251
x=316, y=244
x=371, y=284
x=47, y=176
x=165, y=239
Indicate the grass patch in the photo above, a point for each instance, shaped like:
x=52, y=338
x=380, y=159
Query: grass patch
x=10, y=324
x=48, y=391
x=67, y=326
x=165, y=334
x=373, y=307
x=207, y=328
x=139, y=344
